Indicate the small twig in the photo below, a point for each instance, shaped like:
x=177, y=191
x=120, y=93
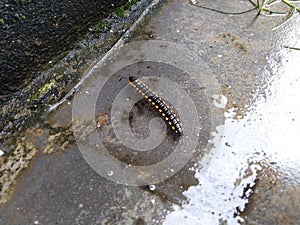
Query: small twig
x=293, y=48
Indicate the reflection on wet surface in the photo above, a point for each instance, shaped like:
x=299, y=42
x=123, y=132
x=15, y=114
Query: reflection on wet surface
x=255, y=161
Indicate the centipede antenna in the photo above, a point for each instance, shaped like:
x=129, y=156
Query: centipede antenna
x=121, y=78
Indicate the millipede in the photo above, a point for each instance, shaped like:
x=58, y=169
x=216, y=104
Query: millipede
x=158, y=103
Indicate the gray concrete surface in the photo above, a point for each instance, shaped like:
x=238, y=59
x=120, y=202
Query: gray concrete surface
x=245, y=167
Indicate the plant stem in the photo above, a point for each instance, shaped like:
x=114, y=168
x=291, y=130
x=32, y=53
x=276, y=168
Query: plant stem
x=219, y=11
x=291, y=5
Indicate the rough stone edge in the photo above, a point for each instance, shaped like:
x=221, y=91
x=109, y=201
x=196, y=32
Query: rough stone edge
x=118, y=44
x=18, y=110
x=50, y=86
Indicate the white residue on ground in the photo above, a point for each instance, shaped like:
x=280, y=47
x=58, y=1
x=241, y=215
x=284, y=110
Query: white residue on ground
x=271, y=127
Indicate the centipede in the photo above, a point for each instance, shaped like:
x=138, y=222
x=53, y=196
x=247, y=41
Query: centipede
x=158, y=103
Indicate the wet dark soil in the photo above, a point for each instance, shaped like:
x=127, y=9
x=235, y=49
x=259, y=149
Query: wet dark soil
x=33, y=32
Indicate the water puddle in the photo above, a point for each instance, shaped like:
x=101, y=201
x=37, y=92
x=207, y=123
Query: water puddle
x=263, y=142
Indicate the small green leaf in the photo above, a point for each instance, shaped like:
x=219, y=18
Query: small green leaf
x=289, y=16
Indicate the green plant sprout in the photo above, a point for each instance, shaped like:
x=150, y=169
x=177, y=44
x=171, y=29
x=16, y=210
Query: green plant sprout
x=262, y=6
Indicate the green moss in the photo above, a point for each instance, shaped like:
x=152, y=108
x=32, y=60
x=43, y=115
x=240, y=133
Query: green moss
x=100, y=26
x=121, y=10
x=1, y=21
x=44, y=89
x=60, y=57
x=20, y=16
x=23, y=17
x=56, y=60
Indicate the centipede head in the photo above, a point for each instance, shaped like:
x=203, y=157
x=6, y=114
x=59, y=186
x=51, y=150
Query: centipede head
x=132, y=78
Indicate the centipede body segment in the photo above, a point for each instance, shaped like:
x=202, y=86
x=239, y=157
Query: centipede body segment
x=158, y=103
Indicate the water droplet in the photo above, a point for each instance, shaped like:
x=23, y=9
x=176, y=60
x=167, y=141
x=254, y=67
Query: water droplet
x=110, y=173
x=128, y=166
x=152, y=187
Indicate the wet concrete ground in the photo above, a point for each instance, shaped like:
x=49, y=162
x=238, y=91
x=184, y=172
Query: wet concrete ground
x=244, y=168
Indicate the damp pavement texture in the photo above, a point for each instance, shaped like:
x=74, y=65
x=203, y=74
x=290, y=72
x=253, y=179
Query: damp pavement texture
x=242, y=82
